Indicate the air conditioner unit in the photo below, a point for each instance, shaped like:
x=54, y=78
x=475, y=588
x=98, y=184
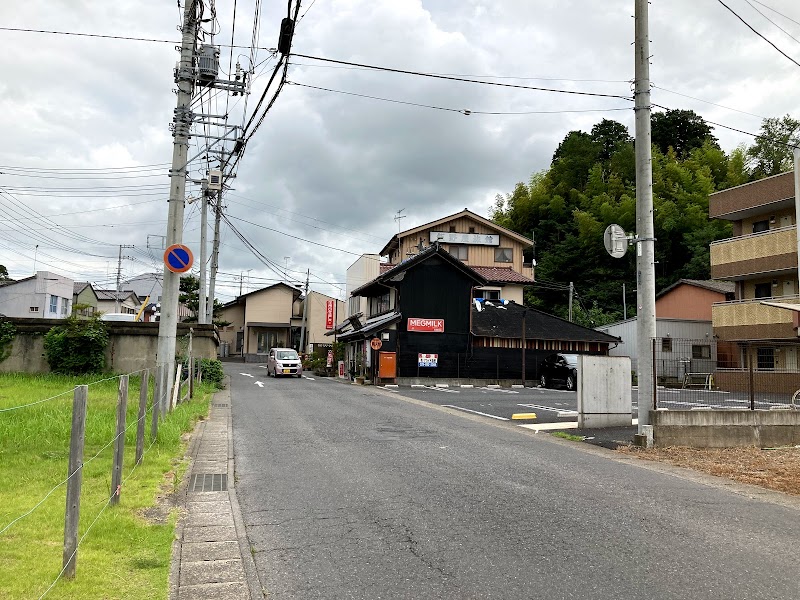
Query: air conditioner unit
x=214, y=179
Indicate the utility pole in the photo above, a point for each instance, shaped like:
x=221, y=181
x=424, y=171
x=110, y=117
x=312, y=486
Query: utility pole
x=624, y=303
x=182, y=122
x=119, y=275
x=571, y=294
x=201, y=295
x=305, y=315
x=214, y=260
x=645, y=232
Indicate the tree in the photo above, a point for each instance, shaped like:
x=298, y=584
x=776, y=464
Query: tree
x=681, y=130
x=772, y=153
x=610, y=136
x=4, y=274
x=189, y=295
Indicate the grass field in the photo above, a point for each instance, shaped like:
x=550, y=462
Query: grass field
x=124, y=552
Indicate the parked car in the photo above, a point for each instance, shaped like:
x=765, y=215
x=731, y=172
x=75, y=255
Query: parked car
x=284, y=361
x=559, y=369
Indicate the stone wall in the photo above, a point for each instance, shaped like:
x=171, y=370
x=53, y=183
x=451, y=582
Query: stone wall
x=132, y=346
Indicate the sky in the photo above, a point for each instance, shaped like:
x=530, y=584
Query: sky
x=333, y=173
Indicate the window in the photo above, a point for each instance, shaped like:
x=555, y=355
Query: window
x=33, y=309
x=504, y=255
x=763, y=290
x=472, y=230
x=452, y=229
x=64, y=307
x=486, y=294
x=766, y=359
x=759, y=226
x=459, y=251
x=701, y=351
x=379, y=304
x=54, y=304
x=666, y=344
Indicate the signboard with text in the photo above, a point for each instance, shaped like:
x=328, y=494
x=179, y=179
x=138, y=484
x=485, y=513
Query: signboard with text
x=429, y=325
x=428, y=360
x=329, y=308
x=477, y=239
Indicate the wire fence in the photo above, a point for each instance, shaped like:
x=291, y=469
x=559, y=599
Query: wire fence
x=696, y=374
x=153, y=407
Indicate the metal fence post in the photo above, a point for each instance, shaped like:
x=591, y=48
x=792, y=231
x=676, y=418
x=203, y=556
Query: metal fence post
x=119, y=440
x=144, y=382
x=73, y=509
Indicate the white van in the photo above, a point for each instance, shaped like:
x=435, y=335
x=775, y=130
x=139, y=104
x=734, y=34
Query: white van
x=118, y=317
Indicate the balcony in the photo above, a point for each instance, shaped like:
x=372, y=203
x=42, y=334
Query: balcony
x=751, y=320
x=754, y=255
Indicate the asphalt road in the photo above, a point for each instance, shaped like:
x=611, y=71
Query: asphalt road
x=351, y=492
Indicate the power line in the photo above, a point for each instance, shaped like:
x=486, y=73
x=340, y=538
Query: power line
x=777, y=12
x=110, y=37
x=462, y=79
x=462, y=111
x=751, y=28
x=771, y=21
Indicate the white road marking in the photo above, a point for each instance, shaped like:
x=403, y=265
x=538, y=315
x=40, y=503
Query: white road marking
x=475, y=412
x=550, y=408
x=246, y=374
x=440, y=389
x=556, y=426
x=262, y=366
x=388, y=389
x=309, y=378
x=499, y=389
x=259, y=384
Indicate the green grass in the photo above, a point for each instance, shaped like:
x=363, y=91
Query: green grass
x=125, y=554
x=568, y=436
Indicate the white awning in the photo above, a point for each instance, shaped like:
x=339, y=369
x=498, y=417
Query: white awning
x=786, y=305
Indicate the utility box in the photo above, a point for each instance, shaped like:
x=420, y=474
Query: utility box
x=604, y=391
x=214, y=180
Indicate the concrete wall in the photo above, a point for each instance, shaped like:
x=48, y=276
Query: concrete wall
x=604, y=391
x=132, y=346
x=726, y=428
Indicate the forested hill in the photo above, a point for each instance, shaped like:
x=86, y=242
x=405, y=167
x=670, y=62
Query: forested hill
x=591, y=184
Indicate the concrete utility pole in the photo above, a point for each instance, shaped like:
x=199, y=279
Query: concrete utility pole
x=645, y=232
x=201, y=291
x=571, y=294
x=214, y=260
x=119, y=275
x=182, y=122
x=305, y=316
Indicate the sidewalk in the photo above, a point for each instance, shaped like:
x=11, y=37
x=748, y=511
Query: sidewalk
x=210, y=555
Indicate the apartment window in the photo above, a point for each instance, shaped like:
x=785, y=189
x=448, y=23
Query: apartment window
x=701, y=351
x=759, y=226
x=763, y=290
x=33, y=309
x=452, y=228
x=459, y=251
x=666, y=344
x=54, y=305
x=766, y=359
x=353, y=305
x=504, y=255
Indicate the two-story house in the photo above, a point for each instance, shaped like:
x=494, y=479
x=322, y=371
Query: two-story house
x=761, y=260
x=45, y=295
x=272, y=317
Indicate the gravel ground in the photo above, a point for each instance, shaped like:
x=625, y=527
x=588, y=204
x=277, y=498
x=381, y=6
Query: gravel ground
x=775, y=469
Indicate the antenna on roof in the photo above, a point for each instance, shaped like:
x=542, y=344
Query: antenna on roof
x=397, y=218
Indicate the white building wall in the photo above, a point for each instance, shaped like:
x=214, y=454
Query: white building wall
x=17, y=299
x=365, y=269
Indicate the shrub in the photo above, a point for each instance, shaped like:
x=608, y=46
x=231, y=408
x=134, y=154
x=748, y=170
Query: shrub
x=77, y=347
x=7, y=334
x=212, y=371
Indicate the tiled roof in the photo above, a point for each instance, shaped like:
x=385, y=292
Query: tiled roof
x=505, y=321
x=722, y=287
x=502, y=275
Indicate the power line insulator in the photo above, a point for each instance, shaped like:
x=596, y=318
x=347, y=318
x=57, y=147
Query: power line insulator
x=285, y=38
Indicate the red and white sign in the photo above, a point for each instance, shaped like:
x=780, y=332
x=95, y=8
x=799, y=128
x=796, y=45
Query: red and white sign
x=329, y=314
x=428, y=360
x=330, y=359
x=430, y=325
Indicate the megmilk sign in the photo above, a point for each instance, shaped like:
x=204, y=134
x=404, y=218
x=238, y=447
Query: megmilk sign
x=329, y=314
x=429, y=325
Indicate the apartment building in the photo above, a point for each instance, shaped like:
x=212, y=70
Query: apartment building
x=761, y=260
